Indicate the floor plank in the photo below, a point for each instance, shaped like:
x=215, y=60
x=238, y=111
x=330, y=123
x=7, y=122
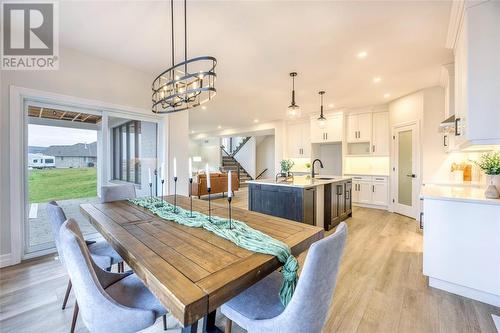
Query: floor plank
x=380, y=287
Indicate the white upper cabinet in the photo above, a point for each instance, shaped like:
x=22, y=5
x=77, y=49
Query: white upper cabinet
x=359, y=127
x=477, y=75
x=380, y=142
x=332, y=132
x=298, y=140
x=368, y=133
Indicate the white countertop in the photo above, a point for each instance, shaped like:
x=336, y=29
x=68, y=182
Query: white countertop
x=473, y=194
x=301, y=181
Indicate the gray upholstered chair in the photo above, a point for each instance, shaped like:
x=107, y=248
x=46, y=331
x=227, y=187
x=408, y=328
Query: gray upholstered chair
x=108, y=302
x=110, y=193
x=258, y=309
x=102, y=253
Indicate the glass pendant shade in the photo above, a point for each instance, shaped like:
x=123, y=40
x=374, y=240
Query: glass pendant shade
x=293, y=112
x=322, y=122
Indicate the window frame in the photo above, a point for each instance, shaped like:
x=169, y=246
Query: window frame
x=117, y=152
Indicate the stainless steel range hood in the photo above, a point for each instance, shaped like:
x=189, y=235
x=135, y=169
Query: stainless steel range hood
x=447, y=125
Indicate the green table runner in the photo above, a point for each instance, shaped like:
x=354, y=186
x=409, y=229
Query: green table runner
x=240, y=234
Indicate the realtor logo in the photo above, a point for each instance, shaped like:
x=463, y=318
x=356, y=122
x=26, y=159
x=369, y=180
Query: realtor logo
x=30, y=36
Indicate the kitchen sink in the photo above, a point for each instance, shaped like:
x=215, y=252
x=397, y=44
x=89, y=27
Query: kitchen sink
x=324, y=178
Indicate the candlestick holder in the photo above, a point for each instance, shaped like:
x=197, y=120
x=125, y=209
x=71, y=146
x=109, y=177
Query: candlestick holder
x=209, y=206
x=191, y=196
x=175, y=194
x=229, y=199
x=151, y=192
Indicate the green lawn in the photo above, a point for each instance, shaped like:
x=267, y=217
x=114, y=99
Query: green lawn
x=59, y=184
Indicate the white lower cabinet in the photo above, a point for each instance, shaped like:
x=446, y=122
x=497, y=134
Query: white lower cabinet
x=370, y=190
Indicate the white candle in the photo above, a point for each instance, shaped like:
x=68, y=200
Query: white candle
x=207, y=172
x=190, y=168
x=175, y=167
x=229, y=185
x=149, y=175
x=162, y=171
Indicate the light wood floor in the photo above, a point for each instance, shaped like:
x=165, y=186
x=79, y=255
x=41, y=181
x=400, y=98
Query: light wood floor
x=380, y=287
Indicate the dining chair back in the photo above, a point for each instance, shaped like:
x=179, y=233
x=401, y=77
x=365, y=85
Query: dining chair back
x=110, y=193
x=99, y=311
x=57, y=218
x=258, y=309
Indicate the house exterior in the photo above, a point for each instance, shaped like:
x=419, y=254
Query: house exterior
x=80, y=155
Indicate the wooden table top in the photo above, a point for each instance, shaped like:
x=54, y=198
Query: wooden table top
x=191, y=270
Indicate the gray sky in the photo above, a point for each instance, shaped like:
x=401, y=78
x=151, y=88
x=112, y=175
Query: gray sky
x=44, y=136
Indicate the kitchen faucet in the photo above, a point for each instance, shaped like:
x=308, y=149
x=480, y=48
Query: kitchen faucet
x=312, y=166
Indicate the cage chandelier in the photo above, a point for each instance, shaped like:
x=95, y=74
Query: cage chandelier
x=187, y=84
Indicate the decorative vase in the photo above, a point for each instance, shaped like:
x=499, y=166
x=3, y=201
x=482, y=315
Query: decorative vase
x=493, y=189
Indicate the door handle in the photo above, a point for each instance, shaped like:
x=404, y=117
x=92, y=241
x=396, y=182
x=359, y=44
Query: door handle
x=421, y=220
x=412, y=175
x=457, y=132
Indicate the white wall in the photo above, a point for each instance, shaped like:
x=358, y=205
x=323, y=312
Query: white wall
x=82, y=76
x=433, y=154
x=277, y=128
x=246, y=157
x=209, y=151
x=265, y=156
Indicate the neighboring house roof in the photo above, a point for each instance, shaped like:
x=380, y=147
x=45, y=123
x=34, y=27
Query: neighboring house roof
x=32, y=156
x=76, y=150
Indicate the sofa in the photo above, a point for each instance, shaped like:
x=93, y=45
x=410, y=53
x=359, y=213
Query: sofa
x=218, y=183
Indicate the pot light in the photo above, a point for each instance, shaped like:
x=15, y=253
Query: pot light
x=203, y=107
x=256, y=120
x=331, y=105
x=362, y=54
x=377, y=79
x=387, y=95
x=219, y=127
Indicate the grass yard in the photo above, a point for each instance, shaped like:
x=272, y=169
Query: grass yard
x=59, y=184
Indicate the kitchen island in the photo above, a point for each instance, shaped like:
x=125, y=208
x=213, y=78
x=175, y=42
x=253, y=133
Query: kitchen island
x=323, y=201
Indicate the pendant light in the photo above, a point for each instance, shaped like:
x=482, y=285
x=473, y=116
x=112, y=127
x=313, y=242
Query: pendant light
x=187, y=84
x=293, y=111
x=321, y=120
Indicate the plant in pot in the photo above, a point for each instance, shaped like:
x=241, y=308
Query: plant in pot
x=286, y=166
x=490, y=164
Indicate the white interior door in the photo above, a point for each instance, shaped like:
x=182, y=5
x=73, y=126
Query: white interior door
x=406, y=170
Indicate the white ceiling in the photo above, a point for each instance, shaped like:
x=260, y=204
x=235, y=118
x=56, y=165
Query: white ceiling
x=258, y=43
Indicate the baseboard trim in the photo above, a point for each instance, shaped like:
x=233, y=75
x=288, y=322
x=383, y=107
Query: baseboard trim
x=369, y=206
x=465, y=291
x=6, y=260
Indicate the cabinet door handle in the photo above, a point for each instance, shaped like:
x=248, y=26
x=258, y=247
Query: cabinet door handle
x=373, y=148
x=373, y=188
x=421, y=220
x=444, y=140
x=457, y=132
x=326, y=135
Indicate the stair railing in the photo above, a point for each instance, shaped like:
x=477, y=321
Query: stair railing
x=260, y=174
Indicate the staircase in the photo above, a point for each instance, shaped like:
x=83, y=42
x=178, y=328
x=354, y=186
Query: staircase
x=229, y=163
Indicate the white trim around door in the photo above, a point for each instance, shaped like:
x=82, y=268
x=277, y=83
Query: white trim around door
x=414, y=175
x=18, y=98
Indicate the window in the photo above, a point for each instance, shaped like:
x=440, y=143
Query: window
x=35, y=161
x=125, y=155
x=49, y=160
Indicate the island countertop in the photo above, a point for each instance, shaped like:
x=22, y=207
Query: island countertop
x=302, y=181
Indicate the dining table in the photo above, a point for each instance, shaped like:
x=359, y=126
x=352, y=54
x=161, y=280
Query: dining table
x=191, y=270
